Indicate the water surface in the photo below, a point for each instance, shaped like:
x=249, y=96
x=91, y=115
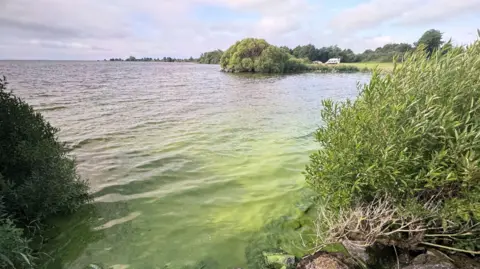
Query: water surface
x=186, y=163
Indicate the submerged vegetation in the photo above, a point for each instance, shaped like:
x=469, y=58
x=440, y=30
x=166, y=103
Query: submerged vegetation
x=401, y=162
x=37, y=178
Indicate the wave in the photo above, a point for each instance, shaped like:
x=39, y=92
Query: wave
x=52, y=108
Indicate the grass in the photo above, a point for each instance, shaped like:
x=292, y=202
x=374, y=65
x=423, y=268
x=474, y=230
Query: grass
x=372, y=65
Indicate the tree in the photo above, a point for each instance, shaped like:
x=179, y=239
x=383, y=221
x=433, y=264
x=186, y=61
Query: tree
x=38, y=178
x=348, y=56
x=287, y=49
x=431, y=40
x=241, y=56
x=272, y=60
x=211, y=57
x=386, y=53
x=308, y=51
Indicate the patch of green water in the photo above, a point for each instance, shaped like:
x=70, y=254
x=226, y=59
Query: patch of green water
x=218, y=208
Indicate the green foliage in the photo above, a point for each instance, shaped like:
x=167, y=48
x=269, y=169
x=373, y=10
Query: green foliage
x=38, y=178
x=271, y=60
x=323, y=54
x=256, y=55
x=338, y=68
x=413, y=135
x=212, y=57
x=131, y=59
x=382, y=54
x=431, y=40
x=150, y=59
x=14, y=250
x=297, y=65
x=309, y=51
x=244, y=56
x=387, y=53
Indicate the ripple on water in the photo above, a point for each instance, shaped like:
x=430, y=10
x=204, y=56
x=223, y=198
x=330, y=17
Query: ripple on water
x=114, y=222
x=185, y=162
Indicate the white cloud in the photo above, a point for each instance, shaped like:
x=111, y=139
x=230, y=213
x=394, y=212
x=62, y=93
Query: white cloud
x=148, y=27
x=402, y=12
x=63, y=45
x=371, y=14
x=439, y=10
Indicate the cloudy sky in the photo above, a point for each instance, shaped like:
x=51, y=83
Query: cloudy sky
x=97, y=29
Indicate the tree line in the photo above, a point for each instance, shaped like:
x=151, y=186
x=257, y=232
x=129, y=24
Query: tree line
x=431, y=40
x=149, y=59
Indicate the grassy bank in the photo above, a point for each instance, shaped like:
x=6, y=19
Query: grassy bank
x=372, y=65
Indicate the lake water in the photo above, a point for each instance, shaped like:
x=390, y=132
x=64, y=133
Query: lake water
x=186, y=163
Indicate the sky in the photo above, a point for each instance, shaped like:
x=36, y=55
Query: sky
x=98, y=29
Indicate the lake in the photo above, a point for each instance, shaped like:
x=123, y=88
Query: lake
x=186, y=163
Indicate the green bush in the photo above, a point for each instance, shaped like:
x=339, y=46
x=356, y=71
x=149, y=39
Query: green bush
x=323, y=68
x=296, y=65
x=211, y=57
x=271, y=60
x=256, y=55
x=345, y=68
x=244, y=56
x=413, y=135
x=14, y=250
x=37, y=179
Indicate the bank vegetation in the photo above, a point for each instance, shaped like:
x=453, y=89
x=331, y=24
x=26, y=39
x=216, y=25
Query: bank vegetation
x=400, y=165
x=38, y=180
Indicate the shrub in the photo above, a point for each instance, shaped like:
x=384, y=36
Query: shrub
x=38, y=179
x=413, y=136
x=296, y=65
x=14, y=250
x=346, y=68
x=250, y=48
x=211, y=57
x=271, y=60
x=256, y=55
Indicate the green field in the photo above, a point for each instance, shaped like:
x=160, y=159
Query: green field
x=372, y=65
